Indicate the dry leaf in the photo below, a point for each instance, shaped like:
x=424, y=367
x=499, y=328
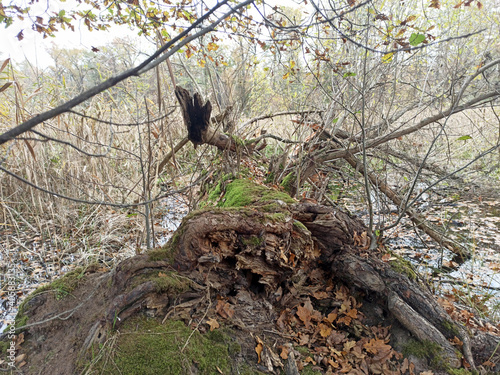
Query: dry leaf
x=304, y=339
x=331, y=317
x=456, y=341
x=324, y=330
x=310, y=360
x=213, y=324
x=320, y=295
x=349, y=345
x=224, y=309
x=259, y=348
x=284, y=352
x=353, y=313
x=304, y=313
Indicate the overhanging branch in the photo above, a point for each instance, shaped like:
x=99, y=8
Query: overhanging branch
x=173, y=46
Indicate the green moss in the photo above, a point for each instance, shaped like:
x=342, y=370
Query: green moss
x=215, y=193
x=271, y=207
x=303, y=350
x=4, y=346
x=239, y=142
x=462, y=371
x=270, y=178
x=426, y=350
x=277, y=217
x=166, y=252
x=299, y=225
x=145, y=346
x=403, y=266
x=307, y=370
x=245, y=369
x=62, y=287
x=451, y=328
x=288, y=182
x=66, y=284
x=253, y=241
x=240, y=193
x=165, y=281
x=21, y=321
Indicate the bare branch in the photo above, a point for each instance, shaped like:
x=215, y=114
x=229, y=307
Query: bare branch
x=175, y=44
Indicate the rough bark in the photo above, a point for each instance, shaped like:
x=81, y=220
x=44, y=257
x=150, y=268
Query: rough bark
x=256, y=260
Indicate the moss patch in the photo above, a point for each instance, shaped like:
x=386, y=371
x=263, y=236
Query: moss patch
x=240, y=193
x=165, y=281
x=4, y=346
x=426, y=350
x=277, y=217
x=253, y=241
x=299, y=225
x=288, y=182
x=163, y=253
x=452, y=329
x=145, y=347
x=215, y=193
x=404, y=267
x=462, y=371
x=61, y=287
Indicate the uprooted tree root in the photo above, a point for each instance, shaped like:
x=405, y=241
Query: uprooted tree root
x=278, y=277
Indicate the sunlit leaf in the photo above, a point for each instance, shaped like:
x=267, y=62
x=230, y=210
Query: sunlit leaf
x=416, y=39
x=212, y=46
x=387, y=58
x=259, y=348
x=464, y=138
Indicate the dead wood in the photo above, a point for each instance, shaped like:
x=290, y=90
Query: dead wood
x=259, y=262
x=196, y=116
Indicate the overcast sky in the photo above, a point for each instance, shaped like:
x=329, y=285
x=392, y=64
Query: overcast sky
x=34, y=48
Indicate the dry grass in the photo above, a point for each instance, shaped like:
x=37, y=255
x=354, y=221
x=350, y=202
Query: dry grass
x=90, y=161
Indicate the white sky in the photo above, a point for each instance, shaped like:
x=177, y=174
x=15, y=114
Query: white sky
x=34, y=48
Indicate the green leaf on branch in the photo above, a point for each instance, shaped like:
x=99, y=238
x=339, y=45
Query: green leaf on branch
x=349, y=74
x=416, y=39
x=464, y=138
